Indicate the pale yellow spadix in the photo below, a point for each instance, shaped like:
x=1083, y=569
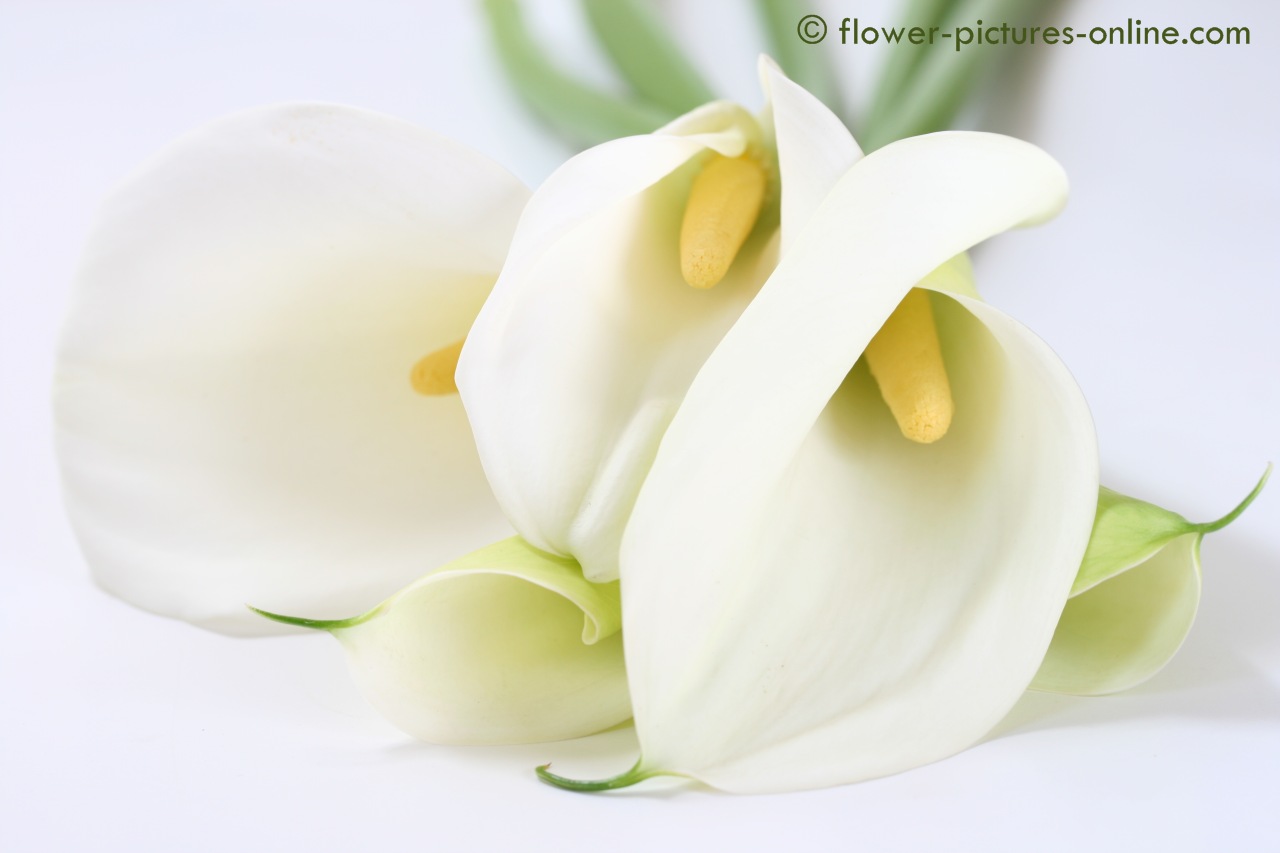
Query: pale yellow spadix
x=432, y=376
x=906, y=361
x=723, y=206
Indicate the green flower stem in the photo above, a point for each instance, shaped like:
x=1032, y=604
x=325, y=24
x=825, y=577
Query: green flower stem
x=585, y=115
x=654, y=65
x=904, y=59
x=945, y=78
x=804, y=63
x=1211, y=526
x=318, y=624
x=622, y=780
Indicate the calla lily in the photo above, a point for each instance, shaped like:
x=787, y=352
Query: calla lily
x=235, y=421
x=567, y=422
x=506, y=645
x=810, y=598
x=1134, y=598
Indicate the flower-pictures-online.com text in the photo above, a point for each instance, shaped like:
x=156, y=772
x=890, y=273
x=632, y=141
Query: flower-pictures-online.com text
x=812, y=29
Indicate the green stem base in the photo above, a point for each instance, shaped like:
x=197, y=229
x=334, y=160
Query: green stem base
x=622, y=780
x=317, y=624
x=1211, y=526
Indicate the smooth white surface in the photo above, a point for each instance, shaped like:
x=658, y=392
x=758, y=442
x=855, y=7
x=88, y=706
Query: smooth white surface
x=1159, y=286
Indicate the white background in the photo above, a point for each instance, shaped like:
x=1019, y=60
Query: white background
x=124, y=731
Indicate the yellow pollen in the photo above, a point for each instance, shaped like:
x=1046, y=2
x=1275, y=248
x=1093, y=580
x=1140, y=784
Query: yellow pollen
x=906, y=361
x=433, y=374
x=722, y=209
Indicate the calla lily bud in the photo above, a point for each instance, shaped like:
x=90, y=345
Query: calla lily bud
x=1134, y=598
x=506, y=645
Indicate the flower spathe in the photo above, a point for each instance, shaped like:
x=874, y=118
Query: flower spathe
x=504, y=645
x=1134, y=599
x=234, y=418
x=942, y=569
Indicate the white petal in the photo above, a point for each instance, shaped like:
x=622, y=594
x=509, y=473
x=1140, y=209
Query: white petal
x=814, y=148
x=810, y=598
x=568, y=422
x=507, y=645
x=235, y=422
x=581, y=356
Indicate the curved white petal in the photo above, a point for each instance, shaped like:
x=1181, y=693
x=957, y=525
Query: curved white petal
x=579, y=359
x=567, y=421
x=814, y=148
x=810, y=598
x=234, y=418
x=507, y=645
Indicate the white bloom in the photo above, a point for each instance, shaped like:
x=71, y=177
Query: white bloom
x=810, y=598
x=235, y=422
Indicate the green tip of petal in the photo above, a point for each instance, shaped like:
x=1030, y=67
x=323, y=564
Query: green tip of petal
x=318, y=624
x=622, y=780
x=1211, y=526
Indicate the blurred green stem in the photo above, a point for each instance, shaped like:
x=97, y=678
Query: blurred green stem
x=944, y=79
x=804, y=63
x=655, y=66
x=904, y=59
x=585, y=115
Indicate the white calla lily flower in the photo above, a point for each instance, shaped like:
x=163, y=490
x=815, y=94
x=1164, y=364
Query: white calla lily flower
x=235, y=421
x=238, y=423
x=583, y=353
x=810, y=598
